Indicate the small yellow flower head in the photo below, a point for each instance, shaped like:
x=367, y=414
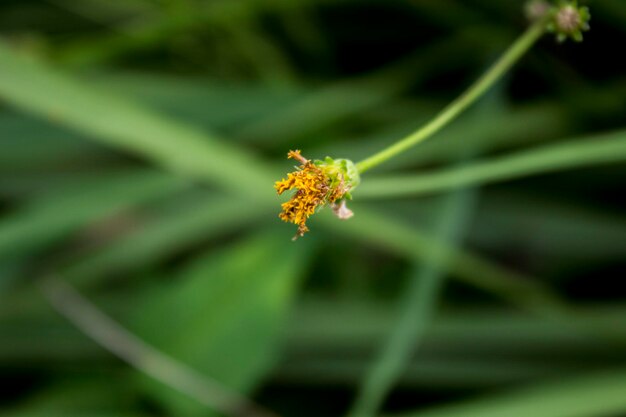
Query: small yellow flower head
x=318, y=183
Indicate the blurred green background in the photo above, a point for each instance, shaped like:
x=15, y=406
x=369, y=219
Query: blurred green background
x=139, y=141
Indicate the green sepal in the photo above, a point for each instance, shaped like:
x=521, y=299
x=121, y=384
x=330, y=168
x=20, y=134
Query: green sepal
x=339, y=170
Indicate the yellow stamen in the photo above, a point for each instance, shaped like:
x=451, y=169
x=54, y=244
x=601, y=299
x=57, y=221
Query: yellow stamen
x=314, y=191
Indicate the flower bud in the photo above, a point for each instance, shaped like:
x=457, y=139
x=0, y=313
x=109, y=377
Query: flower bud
x=536, y=9
x=569, y=21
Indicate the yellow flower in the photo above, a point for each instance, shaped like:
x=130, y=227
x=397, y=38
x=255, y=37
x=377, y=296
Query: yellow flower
x=317, y=184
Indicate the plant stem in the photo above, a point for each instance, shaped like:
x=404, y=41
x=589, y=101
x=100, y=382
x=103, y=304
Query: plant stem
x=131, y=349
x=474, y=92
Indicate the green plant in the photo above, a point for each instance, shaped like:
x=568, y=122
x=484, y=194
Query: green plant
x=139, y=142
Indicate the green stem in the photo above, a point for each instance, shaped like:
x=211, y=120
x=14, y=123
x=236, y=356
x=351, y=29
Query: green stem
x=137, y=353
x=475, y=91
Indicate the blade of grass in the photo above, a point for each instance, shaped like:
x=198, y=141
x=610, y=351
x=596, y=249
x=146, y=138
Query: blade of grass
x=261, y=53
x=347, y=98
x=29, y=145
x=444, y=373
x=158, y=28
x=211, y=104
x=332, y=326
x=46, y=219
x=555, y=229
x=65, y=413
x=34, y=185
x=323, y=331
x=595, y=395
x=406, y=240
x=77, y=395
x=537, y=224
x=165, y=235
x=416, y=309
x=123, y=124
x=144, y=357
x=598, y=149
x=223, y=313
x=516, y=288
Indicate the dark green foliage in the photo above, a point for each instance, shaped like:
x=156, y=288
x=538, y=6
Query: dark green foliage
x=139, y=141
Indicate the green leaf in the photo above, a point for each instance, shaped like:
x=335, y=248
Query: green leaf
x=223, y=314
x=598, y=149
x=403, y=239
x=126, y=125
x=416, y=309
x=165, y=235
x=597, y=395
x=347, y=98
x=29, y=144
x=211, y=104
x=47, y=219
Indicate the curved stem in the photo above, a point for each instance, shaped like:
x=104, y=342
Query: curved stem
x=475, y=91
x=131, y=349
